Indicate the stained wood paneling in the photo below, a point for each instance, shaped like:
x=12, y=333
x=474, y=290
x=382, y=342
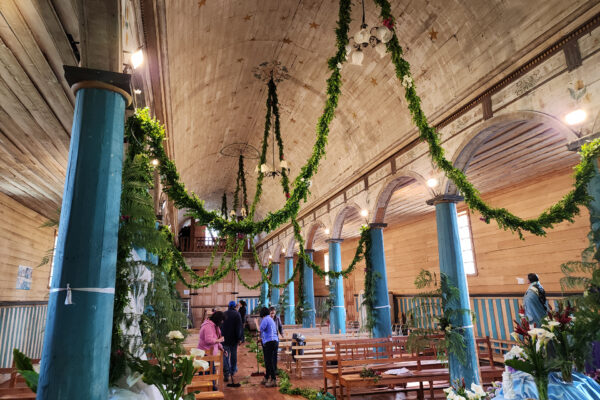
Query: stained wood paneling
x=22, y=242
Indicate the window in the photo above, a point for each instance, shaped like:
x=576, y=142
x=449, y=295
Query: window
x=466, y=243
x=52, y=263
x=326, y=266
x=211, y=236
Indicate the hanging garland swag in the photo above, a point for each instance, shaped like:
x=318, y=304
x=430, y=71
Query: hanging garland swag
x=149, y=136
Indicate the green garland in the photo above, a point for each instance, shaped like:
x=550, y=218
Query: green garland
x=371, y=278
x=240, y=183
x=285, y=387
x=224, y=205
x=564, y=210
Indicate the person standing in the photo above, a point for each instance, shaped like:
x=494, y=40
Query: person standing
x=233, y=334
x=534, y=301
x=210, y=338
x=270, y=341
x=275, y=317
x=243, y=311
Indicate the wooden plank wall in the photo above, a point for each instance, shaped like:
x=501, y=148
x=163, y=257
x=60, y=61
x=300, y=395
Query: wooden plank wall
x=500, y=256
x=22, y=242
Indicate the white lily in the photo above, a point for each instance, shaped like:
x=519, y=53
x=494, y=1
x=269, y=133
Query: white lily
x=201, y=364
x=197, y=352
x=478, y=390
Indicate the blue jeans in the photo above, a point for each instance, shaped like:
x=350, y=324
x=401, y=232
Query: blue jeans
x=230, y=361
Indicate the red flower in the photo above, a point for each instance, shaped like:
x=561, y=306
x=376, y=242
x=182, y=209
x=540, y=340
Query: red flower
x=388, y=23
x=287, y=195
x=522, y=328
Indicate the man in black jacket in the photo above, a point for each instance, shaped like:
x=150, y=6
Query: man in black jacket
x=233, y=332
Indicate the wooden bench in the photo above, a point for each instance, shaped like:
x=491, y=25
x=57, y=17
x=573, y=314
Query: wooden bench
x=382, y=355
x=16, y=393
x=214, y=372
x=490, y=372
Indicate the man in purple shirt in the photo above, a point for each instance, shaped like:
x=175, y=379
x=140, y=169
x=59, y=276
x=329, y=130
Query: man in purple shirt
x=270, y=342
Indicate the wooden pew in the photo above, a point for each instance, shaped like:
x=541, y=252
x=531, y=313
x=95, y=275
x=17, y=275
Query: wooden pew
x=382, y=355
x=490, y=372
x=16, y=393
x=202, y=382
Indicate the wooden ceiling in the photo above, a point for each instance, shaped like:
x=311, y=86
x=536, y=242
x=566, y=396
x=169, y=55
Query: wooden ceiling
x=36, y=105
x=455, y=47
x=207, y=51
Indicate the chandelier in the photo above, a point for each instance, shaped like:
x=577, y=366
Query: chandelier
x=376, y=37
x=269, y=169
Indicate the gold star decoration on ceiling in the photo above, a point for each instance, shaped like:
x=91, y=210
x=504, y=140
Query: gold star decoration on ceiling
x=314, y=25
x=247, y=17
x=374, y=81
x=240, y=60
x=432, y=35
x=287, y=41
x=201, y=3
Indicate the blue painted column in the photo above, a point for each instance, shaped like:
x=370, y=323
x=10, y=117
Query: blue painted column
x=337, y=315
x=77, y=338
x=308, y=319
x=275, y=280
x=264, y=292
x=290, y=306
x=383, y=320
x=451, y=264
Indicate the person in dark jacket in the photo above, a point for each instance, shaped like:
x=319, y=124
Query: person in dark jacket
x=233, y=333
x=243, y=311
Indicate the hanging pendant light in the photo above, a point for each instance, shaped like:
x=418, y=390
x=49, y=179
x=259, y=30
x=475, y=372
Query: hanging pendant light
x=357, y=57
x=383, y=34
x=381, y=49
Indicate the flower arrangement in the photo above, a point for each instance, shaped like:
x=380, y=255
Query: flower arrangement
x=529, y=355
x=173, y=371
x=562, y=324
x=370, y=373
x=458, y=391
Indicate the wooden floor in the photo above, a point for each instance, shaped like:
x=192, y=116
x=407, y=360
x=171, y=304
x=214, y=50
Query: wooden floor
x=252, y=389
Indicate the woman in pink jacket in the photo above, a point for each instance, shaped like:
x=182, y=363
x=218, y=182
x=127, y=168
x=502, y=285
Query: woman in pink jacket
x=210, y=333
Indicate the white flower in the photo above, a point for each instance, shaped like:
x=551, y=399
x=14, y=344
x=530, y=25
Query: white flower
x=448, y=390
x=572, y=319
x=514, y=352
x=515, y=335
x=339, y=65
x=478, y=390
x=201, y=364
x=407, y=81
x=197, y=353
x=535, y=332
x=175, y=335
x=552, y=324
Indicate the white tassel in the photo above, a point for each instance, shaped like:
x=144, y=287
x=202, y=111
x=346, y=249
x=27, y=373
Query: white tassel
x=68, y=298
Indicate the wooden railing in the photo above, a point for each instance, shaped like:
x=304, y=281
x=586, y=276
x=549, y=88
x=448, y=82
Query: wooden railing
x=205, y=244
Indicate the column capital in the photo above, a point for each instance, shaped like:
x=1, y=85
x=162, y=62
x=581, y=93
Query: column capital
x=289, y=257
x=444, y=198
x=82, y=78
x=575, y=145
x=378, y=225
x=309, y=250
x=334, y=240
x=274, y=262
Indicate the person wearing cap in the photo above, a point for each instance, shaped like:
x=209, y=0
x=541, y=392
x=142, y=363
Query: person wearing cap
x=233, y=332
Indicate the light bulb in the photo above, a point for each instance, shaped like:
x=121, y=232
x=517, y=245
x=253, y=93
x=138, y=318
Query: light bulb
x=383, y=34
x=364, y=212
x=362, y=36
x=155, y=162
x=283, y=250
x=137, y=91
x=432, y=182
x=327, y=231
x=137, y=58
x=381, y=49
x=270, y=257
x=357, y=57
x=575, y=117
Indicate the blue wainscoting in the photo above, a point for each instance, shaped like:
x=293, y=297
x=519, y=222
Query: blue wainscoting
x=494, y=315
x=21, y=327
x=251, y=303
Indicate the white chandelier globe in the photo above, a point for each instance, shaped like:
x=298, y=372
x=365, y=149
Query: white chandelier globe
x=362, y=36
x=264, y=168
x=357, y=57
x=284, y=165
x=257, y=169
x=384, y=34
x=381, y=49
x=348, y=50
